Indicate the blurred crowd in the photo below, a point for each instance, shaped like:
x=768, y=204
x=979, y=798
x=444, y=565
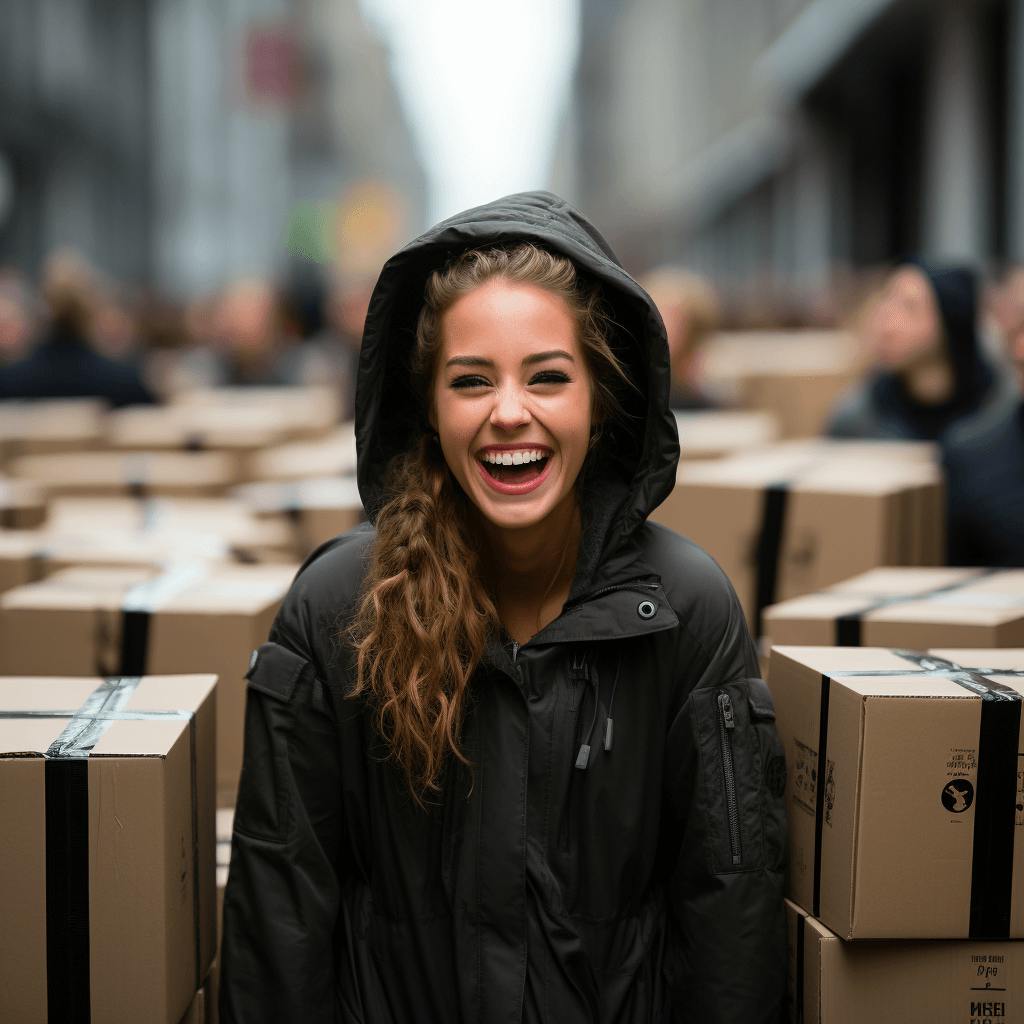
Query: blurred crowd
x=943, y=352
x=80, y=334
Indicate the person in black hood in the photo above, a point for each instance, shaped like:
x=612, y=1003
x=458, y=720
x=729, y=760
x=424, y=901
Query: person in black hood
x=931, y=371
x=507, y=754
x=984, y=464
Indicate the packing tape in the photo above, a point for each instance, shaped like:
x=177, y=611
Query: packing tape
x=994, y=815
x=848, y=625
x=66, y=788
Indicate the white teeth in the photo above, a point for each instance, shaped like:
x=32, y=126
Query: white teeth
x=514, y=458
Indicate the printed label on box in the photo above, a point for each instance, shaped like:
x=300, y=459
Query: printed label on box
x=805, y=777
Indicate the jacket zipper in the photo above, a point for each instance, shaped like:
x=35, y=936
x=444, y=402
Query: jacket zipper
x=726, y=726
x=579, y=672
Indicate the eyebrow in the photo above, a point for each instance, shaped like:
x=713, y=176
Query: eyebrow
x=537, y=357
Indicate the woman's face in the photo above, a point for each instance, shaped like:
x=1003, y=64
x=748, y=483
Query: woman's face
x=905, y=329
x=511, y=385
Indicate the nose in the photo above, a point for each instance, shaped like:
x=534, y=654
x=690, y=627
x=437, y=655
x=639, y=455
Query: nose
x=510, y=409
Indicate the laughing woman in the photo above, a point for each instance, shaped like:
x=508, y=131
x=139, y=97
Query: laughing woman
x=507, y=757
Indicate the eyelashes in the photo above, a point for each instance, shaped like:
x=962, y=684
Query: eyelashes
x=544, y=377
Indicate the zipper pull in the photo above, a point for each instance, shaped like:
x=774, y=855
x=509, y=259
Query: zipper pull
x=728, y=715
x=515, y=649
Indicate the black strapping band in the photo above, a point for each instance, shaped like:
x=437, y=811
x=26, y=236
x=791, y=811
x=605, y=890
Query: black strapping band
x=768, y=549
x=68, y=995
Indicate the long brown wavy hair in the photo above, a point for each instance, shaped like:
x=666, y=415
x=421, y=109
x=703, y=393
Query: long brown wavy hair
x=424, y=614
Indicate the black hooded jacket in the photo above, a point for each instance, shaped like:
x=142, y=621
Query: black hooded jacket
x=640, y=884
x=882, y=408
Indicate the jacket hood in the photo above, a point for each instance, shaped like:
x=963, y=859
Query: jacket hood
x=632, y=469
x=956, y=295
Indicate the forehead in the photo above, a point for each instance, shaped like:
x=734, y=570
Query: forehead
x=507, y=317
x=910, y=283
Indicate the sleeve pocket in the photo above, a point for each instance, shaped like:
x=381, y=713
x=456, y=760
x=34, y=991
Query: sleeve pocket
x=264, y=808
x=743, y=771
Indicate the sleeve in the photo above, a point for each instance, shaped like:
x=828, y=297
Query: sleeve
x=281, y=905
x=724, y=806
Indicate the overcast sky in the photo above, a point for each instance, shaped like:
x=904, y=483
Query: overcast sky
x=485, y=83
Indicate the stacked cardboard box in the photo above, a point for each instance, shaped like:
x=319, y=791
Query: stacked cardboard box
x=716, y=433
x=106, y=854
x=224, y=527
x=22, y=505
x=240, y=433
x=334, y=454
x=132, y=473
x=301, y=412
x=905, y=794
x=836, y=982
x=40, y=427
x=907, y=607
x=193, y=617
x=796, y=375
x=313, y=511
x=791, y=519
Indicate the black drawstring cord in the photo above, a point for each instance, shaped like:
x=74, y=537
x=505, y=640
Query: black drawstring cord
x=609, y=725
x=583, y=757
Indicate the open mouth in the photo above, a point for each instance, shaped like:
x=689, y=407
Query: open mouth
x=517, y=468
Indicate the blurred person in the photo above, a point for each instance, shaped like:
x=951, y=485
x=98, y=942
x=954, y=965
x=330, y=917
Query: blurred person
x=984, y=462
x=64, y=363
x=17, y=316
x=690, y=309
x=436, y=820
x=930, y=369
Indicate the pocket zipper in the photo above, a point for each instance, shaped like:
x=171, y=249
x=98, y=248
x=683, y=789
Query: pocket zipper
x=726, y=725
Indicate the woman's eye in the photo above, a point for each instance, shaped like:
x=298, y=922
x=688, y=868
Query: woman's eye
x=550, y=377
x=469, y=381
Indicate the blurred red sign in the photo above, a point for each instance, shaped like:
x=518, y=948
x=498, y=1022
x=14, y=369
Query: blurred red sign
x=270, y=64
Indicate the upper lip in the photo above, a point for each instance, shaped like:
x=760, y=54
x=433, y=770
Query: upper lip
x=524, y=446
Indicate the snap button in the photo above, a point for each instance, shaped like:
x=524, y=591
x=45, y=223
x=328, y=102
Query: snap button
x=646, y=609
x=253, y=658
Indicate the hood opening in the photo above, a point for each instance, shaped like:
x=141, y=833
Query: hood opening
x=633, y=467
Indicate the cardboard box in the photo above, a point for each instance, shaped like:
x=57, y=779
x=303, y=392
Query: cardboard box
x=313, y=511
x=192, y=618
x=132, y=473
x=198, y=1010
x=106, y=854
x=223, y=528
x=44, y=426
x=905, y=792
x=302, y=412
x=716, y=433
x=796, y=375
x=793, y=519
x=185, y=428
x=332, y=455
x=22, y=505
x=836, y=982
x=907, y=607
